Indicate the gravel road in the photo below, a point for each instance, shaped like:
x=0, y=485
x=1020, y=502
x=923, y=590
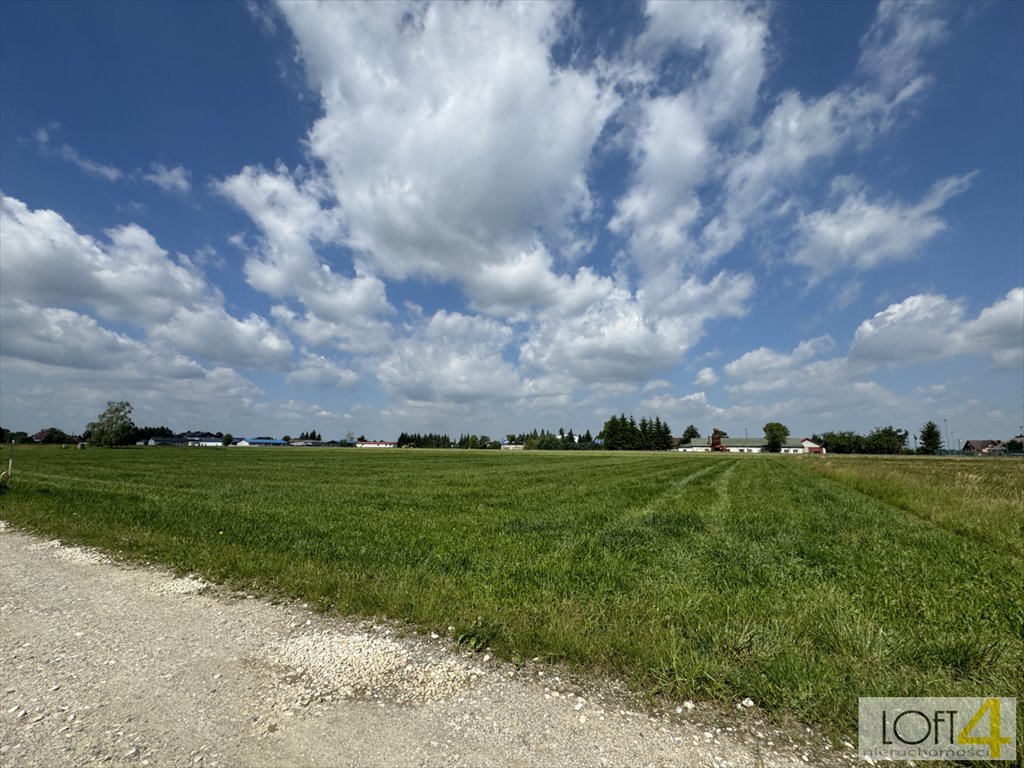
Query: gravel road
x=103, y=662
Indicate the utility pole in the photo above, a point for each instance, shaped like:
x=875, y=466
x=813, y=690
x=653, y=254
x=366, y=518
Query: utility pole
x=947, y=433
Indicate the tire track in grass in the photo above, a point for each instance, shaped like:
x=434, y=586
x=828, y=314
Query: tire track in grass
x=656, y=533
x=667, y=502
x=704, y=499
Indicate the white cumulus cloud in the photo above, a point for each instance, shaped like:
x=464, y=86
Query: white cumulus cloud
x=705, y=377
x=129, y=277
x=927, y=327
x=320, y=372
x=443, y=150
x=862, y=234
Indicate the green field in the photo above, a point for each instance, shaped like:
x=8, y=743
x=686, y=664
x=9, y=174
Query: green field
x=801, y=582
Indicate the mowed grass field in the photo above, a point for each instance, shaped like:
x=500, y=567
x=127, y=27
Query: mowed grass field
x=801, y=582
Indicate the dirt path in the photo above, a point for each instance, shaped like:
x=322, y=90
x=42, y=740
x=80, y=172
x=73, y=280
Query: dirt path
x=116, y=664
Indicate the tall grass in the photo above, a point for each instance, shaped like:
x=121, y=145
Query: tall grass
x=982, y=499
x=798, y=583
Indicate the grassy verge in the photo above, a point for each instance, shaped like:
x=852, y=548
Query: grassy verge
x=800, y=584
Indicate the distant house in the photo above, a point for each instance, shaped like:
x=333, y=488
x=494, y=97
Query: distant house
x=164, y=441
x=748, y=445
x=811, y=446
x=507, y=446
x=259, y=442
x=376, y=444
x=691, y=446
x=984, y=447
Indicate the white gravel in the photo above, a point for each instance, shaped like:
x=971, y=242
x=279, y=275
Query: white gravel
x=187, y=585
x=107, y=663
x=72, y=554
x=369, y=665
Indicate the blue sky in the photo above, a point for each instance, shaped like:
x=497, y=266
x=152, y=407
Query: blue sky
x=486, y=218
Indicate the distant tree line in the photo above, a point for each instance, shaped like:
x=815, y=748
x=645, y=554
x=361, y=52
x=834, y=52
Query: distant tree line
x=543, y=440
x=114, y=427
x=627, y=434
x=7, y=436
x=476, y=441
x=881, y=440
x=53, y=435
x=429, y=440
x=144, y=433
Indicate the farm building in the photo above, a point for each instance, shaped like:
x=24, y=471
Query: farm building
x=984, y=447
x=748, y=445
x=507, y=446
x=166, y=441
x=204, y=441
x=376, y=444
x=258, y=442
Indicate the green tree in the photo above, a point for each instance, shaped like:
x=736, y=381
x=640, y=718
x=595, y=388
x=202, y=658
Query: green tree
x=840, y=442
x=885, y=440
x=931, y=439
x=144, y=433
x=114, y=426
x=664, y=438
x=1014, y=446
x=691, y=433
x=547, y=442
x=54, y=435
x=646, y=432
x=775, y=434
x=227, y=439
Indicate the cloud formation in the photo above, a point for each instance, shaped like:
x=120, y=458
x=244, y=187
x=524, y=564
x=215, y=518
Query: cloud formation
x=929, y=327
x=129, y=277
x=443, y=152
x=862, y=234
x=64, y=151
x=495, y=209
x=174, y=180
